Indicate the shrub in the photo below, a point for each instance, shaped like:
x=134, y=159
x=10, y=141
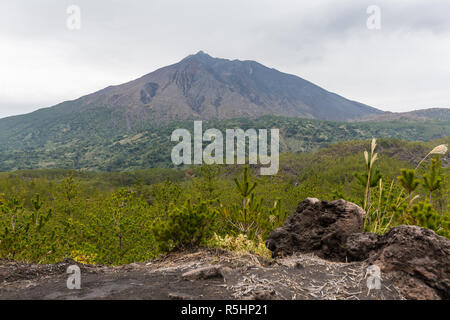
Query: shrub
x=424, y=215
x=186, y=226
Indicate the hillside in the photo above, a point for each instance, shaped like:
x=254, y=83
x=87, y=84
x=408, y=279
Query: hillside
x=127, y=127
x=197, y=87
x=425, y=114
x=151, y=148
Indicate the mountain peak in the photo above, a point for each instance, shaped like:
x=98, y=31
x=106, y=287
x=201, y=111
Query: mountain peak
x=205, y=87
x=200, y=55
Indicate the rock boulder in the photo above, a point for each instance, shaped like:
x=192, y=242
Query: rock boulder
x=317, y=226
x=416, y=258
x=414, y=251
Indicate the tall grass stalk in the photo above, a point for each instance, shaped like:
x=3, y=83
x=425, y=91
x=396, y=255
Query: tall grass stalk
x=440, y=149
x=370, y=160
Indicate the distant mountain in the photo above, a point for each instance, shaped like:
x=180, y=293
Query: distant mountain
x=129, y=125
x=197, y=87
x=425, y=114
x=203, y=87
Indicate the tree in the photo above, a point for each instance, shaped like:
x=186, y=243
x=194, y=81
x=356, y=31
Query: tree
x=70, y=191
x=245, y=189
x=432, y=179
x=164, y=195
x=374, y=178
x=408, y=181
x=207, y=182
x=188, y=225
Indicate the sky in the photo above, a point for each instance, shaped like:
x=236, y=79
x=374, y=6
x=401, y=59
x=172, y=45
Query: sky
x=400, y=65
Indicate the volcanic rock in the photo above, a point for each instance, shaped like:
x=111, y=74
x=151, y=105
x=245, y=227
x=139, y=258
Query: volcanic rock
x=415, y=251
x=317, y=226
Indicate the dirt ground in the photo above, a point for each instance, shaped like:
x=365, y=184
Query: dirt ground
x=301, y=276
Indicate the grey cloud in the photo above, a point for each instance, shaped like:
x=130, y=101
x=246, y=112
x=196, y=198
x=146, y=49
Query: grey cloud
x=320, y=41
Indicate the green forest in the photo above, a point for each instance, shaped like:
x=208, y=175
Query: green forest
x=84, y=144
x=116, y=218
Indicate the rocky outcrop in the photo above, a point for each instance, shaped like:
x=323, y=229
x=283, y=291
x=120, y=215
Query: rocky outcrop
x=416, y=257
x=417, y=252
x=317, y=226
x=359, y=245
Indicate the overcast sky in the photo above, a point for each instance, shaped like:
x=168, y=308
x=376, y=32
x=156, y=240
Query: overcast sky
x=403, y=66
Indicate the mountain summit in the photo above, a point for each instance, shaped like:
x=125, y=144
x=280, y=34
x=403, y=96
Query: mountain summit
x=197, y=87
x=203, y=87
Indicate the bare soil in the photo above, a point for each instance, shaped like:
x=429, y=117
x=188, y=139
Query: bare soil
x=301, y=276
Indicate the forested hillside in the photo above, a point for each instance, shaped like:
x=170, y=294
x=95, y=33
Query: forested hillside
x=84, y=147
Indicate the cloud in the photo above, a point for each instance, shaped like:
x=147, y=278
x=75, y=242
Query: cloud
x=401, y=67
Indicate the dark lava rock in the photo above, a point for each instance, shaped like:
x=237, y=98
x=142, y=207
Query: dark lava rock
x=416, y=258
x=360, y=245
x=412, y=288
x=415, y=251
x=317, y=226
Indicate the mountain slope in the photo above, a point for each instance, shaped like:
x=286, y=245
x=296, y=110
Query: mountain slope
x=128, y=126
x=197, y=87
x=424, y=114
x=203, y=87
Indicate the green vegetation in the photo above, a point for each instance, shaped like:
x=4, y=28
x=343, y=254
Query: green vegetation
x=392, y=207
x=85, y=143
x=122, y=217
x=432, y=180
x=187, y=226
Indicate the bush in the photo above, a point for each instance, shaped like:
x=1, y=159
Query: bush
x=424, y=215
x=186, y=226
